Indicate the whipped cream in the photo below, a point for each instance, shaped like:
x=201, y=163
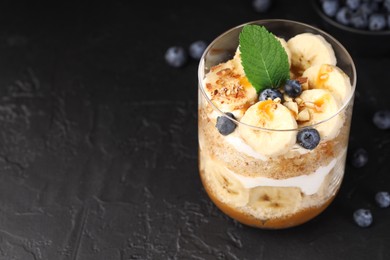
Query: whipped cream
x=243, y=147
x=309, y=184
x=240, y=145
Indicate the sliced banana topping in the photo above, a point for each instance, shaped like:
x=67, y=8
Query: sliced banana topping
x=229, y=89
x=285, y=46
x=321, y=105
x=330, y=77
x=270, y=115
x=283, y=199
x=325, y=87
x=237, y=62
x=309, y=49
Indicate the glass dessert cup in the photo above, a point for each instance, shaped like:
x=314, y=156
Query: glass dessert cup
x=283, y=190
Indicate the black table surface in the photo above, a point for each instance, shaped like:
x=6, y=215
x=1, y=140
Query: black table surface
x=98, y=139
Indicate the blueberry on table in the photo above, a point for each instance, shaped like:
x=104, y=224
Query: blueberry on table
x=270, y=93
x=382, y=199
x=261, y=6
x=197, y=48
x=330, y=7
x=308, y=138
x=377, y=22
x=363, y=217
x=359, y=158
x=293, y=88
x=225, y=125
x=381, y=119
x=176, y=56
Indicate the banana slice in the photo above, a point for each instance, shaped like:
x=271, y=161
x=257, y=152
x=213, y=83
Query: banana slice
x=225, y=185
x=322, y=105
x=237, y=62
x=309, y=49
x=271, y=115
x=277, y=199
x=330, y=77
x=229, y=89
x=285, y=46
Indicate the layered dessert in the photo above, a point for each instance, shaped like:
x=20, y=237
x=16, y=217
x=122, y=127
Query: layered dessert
x=272, y=155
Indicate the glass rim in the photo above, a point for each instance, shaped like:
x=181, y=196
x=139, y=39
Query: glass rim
x=201, y=74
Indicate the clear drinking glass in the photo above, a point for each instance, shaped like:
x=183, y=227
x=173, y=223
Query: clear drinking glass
x=279, y=191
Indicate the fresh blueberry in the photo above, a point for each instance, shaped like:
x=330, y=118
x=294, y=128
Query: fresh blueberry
x=330, y=7
x=377, y=22
x=381, y=119
x=359, y=158
x=363, y=217
x=225, y=125
x=197, y=48
x=270, y=93
x=308, y=138
x=261, y=6
x=359, y=20
x=367, y=8
x=343, y=16
x=176, y=56
x=352, y=4
x=382, y=199
x=386, y=5
x=388, y=20
x=293, y=88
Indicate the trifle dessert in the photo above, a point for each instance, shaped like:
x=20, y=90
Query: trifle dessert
x=275, y=105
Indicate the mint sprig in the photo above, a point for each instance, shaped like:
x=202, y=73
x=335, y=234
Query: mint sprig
x=263, y=57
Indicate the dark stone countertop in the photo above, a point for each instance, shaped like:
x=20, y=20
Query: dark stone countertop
x=98, y=139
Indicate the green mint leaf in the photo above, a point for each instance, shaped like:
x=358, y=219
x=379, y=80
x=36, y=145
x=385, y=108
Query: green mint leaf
x=263, y=57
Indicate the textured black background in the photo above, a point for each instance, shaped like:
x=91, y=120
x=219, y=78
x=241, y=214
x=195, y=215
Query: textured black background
x=98, y=139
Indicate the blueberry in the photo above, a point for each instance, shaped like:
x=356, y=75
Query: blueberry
x=293, y=88
x=381, y=119
x=343, y=15
x=382, y=199
x=330, y=7
x=176, y=56
x=270, y=93
x=196, y=49
x=359, y=158
x=352, y=4
x=377, y=22
x=261, y=6
x=308, y=138
x=224, y=125
x=386, y=5
x=363, y=217
x=359, y=20
x=388, y=20
x=368, y=8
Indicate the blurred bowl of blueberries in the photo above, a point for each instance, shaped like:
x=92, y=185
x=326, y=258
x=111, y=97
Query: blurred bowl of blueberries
x=362, y=26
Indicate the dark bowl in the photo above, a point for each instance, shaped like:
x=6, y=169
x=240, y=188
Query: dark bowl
x=357, y=41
